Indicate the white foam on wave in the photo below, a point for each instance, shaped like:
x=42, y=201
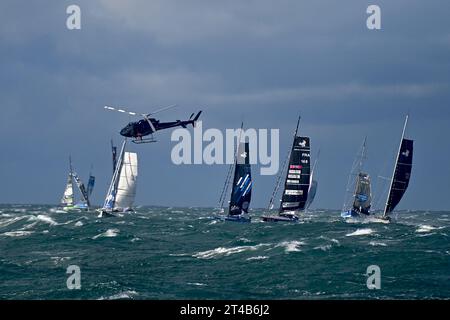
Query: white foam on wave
x=107, y=234
x=291, y=246
x=377, y=244
x=257, y=258
x=79, y=224
x=323, y=247
x=7, y=222
x=198, y=284
x=17, y=233
x=129, y=294
x=426, y=228
x=222, y=251
x=360, y=232
x=43, y=218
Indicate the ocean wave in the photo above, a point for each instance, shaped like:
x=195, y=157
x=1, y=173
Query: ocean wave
x=222, y=251
x=375, y=244
x=129, y=294
x=360, y=232
x=7, y=222
x=257, y=258
x=291, y=246
x=198, y=284
x=43, y=218
x=323, y=247
x=426, y=228
x=79, y=224
x=17, y=233
x=107, y=234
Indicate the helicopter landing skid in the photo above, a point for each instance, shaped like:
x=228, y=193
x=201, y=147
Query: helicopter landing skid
x=142, y=141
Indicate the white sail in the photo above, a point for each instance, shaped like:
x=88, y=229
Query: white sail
x=67, y=199
x=126, y=189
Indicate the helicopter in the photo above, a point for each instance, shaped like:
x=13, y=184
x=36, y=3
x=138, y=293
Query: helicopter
x=148, y=126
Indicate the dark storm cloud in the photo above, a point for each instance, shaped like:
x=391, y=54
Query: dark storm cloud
x=258, y=61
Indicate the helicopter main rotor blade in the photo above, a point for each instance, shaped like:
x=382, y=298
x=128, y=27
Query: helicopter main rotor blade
x=162, y=109
x=121, y=110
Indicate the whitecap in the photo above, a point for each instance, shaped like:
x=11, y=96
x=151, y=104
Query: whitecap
x=129, y=294
x=199, y=284
x=375, y=244
x=107, y=234
x=323, y=248
x=7, y=222
x=78, y=224
x=257, y=258
x=43, y=218
x=291, y=246
x=360, y=232
x=17, y=233
x=426, y=228
x=221, y=251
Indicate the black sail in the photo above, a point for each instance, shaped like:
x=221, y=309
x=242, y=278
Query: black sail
x=241, y=193
x=363, y=197
x=297, y=181
x=402, y=175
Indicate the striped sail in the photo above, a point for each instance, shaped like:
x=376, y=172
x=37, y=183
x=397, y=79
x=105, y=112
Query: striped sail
x=126, y=188
x=297, y=180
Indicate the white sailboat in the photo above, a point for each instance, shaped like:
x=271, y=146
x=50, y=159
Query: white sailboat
x=68, y=199
x=122, y=190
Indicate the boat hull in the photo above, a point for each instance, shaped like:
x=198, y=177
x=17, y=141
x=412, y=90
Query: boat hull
x=235, y=218
x=292, y=218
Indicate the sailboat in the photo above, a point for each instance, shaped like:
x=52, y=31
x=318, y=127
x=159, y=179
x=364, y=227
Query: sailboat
x=122, y=190
x=297, y=181
x=68, y=199
x=401, y=174
x=359, y=188
x=241, y=192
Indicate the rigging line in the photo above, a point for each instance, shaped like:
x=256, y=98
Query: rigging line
x=278, y=183
x=227, y=180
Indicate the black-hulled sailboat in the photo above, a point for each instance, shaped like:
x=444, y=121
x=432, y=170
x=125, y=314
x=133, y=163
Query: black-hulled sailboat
x=401, y=175
x=359, y=193
x=297, y=181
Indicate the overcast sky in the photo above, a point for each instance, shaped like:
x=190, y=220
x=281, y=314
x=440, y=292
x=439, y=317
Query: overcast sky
x=261, y=62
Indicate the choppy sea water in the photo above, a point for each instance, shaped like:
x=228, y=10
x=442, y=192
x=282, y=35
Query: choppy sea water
x=181, y=253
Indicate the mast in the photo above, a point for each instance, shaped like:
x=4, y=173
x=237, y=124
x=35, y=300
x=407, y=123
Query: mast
x=230, y=171
x=112, y=190
x=395, y=166
x=286, y=161
x=297, y=182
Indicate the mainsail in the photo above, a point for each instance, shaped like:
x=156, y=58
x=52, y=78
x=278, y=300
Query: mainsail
x=402, y=173
x=242, y=183
x=126, y=188
x=68, y=198
x=112, y=190
x=91, y=184
x=82, y=189
x=363, y=196
x=297, y=180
